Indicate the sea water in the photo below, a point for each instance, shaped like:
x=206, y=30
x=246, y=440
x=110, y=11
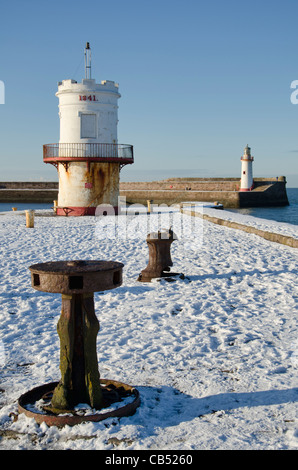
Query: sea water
x=22, y=206
x=287, y=214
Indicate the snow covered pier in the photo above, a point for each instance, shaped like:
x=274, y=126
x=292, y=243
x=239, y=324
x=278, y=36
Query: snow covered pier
x=268, y=235
x=214, y=355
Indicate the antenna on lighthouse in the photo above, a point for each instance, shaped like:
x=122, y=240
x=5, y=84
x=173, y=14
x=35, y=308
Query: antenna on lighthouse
x=87, y=61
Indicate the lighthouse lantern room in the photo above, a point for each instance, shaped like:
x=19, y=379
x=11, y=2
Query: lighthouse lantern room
x=88, y=157
x=247, y=181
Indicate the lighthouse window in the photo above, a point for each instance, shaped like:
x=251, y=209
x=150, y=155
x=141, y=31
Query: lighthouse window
x=88, y=126
x=244, y=172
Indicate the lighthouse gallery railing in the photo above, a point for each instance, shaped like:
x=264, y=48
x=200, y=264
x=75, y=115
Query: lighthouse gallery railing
x=108, y=152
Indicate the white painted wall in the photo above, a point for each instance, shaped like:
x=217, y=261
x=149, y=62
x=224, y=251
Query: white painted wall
x=98, y=101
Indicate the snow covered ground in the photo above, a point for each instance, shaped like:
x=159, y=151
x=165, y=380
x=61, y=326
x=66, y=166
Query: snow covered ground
x=214, y=355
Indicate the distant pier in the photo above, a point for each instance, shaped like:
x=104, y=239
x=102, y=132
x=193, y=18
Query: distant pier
x=267, y=192
x=28, y=191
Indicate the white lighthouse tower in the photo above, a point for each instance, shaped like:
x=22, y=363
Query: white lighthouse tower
x=247, y=181
x=88, y=157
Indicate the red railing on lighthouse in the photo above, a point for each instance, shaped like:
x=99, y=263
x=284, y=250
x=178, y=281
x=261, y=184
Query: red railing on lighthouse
x=67, y=152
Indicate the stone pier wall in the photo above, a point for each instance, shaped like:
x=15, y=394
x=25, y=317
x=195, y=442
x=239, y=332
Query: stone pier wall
x=28, y=192
x=266, y=192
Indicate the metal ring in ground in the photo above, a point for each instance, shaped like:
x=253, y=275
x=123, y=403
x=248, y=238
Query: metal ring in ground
x=68, y=419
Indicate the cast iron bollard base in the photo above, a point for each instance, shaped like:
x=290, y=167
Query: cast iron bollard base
x=160, y=261
x=113, y=392
x=77, y=328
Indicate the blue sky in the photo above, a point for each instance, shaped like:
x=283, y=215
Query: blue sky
x=199, y=80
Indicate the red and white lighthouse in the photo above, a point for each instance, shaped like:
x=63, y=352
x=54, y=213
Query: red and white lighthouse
x=88, y=157
x=247, y=181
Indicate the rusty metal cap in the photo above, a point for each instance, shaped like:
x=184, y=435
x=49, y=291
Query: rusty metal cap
x=76, y=276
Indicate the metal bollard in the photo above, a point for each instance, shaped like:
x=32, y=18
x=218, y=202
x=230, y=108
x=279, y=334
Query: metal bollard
x=159, y=244
x=77, y=327
x=149, y=205
x=29, y=219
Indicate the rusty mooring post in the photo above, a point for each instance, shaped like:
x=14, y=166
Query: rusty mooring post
x=77, y=328
x=160, y=261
